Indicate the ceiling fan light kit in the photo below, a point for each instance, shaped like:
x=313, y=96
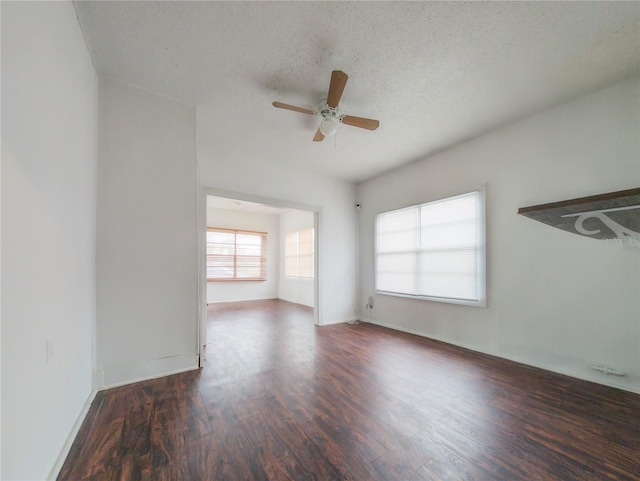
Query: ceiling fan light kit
x=328, y=110
x=330, y=118
x=328, y=126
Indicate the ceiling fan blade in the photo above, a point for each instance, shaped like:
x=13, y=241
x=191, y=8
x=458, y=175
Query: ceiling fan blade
x=280, y=105
x=336, y=87
x=361, y=122
x=319, y=136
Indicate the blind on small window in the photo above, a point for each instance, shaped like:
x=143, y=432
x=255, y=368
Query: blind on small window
x=291, y=254
x=299, y=253
x=236, y=255
x=305, y=253
x=432, y=250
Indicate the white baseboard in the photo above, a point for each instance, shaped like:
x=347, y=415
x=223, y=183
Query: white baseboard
x=122, y=374
x=53, y=474
x=241, y=300
x=566, y=372
x=338, y=321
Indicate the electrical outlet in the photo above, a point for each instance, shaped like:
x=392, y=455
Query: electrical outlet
x=609, y=370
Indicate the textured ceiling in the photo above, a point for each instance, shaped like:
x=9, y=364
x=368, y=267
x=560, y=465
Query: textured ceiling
x=433, y=73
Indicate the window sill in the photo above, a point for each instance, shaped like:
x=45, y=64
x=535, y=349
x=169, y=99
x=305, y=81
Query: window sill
x=238, y=280
x=446, y=300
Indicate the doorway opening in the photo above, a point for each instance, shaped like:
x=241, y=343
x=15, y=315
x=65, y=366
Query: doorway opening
x=256, y=248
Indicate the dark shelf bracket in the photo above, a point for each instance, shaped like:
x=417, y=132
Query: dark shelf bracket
x=613, y=216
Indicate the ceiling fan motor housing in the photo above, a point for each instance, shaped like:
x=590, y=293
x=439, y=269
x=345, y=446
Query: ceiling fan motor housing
x=326, y=111
x=330, y=118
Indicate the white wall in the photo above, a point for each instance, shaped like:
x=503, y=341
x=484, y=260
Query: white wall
x=291, y=289
x=555, y=299
x=147, y=261
x=249, y=290
x=334, y=198
x=49, y=146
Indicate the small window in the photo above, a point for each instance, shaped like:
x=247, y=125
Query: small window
x=298, y=254
x=433, y=251
x=236, y=255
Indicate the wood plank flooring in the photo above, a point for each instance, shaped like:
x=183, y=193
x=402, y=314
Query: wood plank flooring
x=281, y=399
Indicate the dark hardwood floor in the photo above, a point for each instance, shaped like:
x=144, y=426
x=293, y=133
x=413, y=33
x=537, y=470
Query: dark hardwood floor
x=281, y=399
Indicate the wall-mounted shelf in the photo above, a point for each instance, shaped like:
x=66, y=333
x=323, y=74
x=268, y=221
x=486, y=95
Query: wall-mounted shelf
x=615, y=215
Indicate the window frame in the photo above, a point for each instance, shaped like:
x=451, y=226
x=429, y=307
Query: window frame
x=263, y=256
x=313, y=254
x=481, y=250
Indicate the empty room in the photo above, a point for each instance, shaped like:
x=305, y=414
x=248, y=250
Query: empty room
x=367, y=241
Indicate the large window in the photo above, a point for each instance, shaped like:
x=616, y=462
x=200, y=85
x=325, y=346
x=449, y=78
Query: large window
x=433, y=251
x=235, y=255
x=298, y=253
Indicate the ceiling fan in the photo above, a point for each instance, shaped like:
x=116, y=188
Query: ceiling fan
x=328, y=109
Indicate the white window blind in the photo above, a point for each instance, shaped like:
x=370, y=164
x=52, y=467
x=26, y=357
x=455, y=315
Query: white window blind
x=298, y=253
x=234, y=255
x=433, y=250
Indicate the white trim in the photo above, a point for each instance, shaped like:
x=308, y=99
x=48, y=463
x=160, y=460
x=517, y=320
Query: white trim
x=526, y=362
x=129, y=373
x=75, y=429
x=201, y=218
x=318, y=296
